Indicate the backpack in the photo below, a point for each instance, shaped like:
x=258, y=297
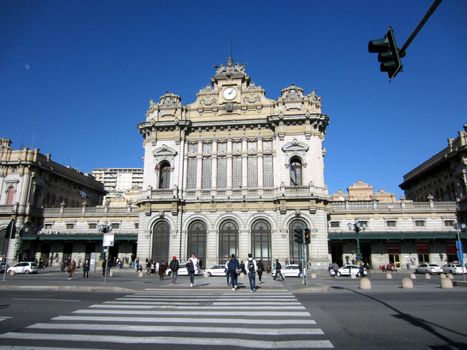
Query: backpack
x=251, y=266
x=190, y=266
x=232, y=265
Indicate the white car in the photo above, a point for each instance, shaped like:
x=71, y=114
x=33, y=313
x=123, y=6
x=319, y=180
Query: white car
x=455, y=269
x=428, y=268
x=182, y=271
x=216, y=270
x=23, y=267
x=291, y=270
x=348, y=270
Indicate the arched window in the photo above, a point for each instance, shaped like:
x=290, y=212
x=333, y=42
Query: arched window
x=10, y=195
x=197, y=235
x=164, y=175
x=228, y=239
x=261, y=240
x=295, y=168
x=295, y=248
x=160, y=241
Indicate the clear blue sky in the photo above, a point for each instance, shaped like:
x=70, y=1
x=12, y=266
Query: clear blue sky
x=76, y=76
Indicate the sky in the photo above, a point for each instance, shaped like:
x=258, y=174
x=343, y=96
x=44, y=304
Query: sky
x=76, y=77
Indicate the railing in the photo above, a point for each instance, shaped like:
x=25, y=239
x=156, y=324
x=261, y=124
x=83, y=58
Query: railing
x=89, y=211
x=350, y=206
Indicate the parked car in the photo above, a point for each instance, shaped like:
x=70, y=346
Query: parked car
x=182, y=271
x=428, y=268
x=291, y=271
x=348, y=270
x=23, y=267
x=455, y=269
x=2, y=267
x=216, y=270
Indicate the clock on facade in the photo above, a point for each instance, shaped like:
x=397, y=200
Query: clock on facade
x=230, y=93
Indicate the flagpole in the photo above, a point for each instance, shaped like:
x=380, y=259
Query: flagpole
x=12, y=227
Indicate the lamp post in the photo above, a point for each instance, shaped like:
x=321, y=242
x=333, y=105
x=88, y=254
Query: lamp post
x=357, y=226
x=460, y=252
x=107, y=242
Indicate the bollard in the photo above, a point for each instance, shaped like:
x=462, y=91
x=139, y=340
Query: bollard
x=365, y=283
x=111, y=273
x=446, y=283
x=12, y=273
x=140, y=274
x=427, y=276
x=353, y=275
x=406, y=283
x=389, y=276
x=450, y=276
x=313, y=275
x=442, y=275
x=413, y=276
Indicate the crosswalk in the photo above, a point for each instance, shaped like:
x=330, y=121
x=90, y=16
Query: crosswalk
x=266, y=320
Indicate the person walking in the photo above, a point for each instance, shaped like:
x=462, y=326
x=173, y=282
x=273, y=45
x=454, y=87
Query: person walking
x=174, y=266
x=86, y=269
x=71, y=269
x=227, y=271
x=260, y=271
x=251, y=268
x=233, y=269
x=192, y=266
x=162, y=269
x=278, y=271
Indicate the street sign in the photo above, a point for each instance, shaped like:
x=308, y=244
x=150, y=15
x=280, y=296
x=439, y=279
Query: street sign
x=108, y=240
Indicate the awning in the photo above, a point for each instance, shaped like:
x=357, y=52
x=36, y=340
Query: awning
x=340, y=236
x=78, y=237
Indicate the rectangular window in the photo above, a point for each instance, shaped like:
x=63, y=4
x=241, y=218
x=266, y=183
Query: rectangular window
x=206, y=175
x=115, y=226
x=136, y=225
x=92, y=226
x=252, y=172
x=419, y=223
x=236, y=172
x=268, y=176
x=191, y=173
x=70, y=226
x=449, y=223
x=47, y=226
x=221, y=172
x=391, y=223
x=335, y=224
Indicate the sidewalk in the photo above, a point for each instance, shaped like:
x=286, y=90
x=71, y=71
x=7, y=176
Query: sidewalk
x=128, y=280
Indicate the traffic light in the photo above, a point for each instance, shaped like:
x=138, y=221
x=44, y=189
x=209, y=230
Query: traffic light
x=307, y=236
x=388, y=53
x=298, y=236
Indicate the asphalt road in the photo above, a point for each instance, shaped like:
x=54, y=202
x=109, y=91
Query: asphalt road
x=326, y=313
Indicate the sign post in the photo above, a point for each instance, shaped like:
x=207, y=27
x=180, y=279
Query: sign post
x=107, y=241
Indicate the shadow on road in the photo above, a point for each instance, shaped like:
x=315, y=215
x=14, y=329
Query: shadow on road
x=418, y=322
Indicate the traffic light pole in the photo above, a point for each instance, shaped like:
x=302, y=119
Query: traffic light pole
x=425, y=18
x=304, y=259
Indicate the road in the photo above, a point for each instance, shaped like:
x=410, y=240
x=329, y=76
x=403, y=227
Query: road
x=339, y=316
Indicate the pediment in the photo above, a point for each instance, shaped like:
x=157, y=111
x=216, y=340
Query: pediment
x=164, y=151
x=295, y=146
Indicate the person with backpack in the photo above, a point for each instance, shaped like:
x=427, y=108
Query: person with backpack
x=174, y=266
x=192, y=266
x=233, y=267
x=251, y=268
x=278, y=271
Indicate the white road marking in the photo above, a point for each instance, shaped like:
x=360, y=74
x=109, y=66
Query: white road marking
x=190, y=307
x=238, y=342
x=229, y=313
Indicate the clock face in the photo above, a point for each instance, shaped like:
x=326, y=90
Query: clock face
x=230, y=93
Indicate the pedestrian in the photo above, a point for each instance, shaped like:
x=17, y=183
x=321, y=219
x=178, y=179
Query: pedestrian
x=86, y=269
x=233, y=269
x=71, y=269
x=174, y=266
x=278, y=271
x=251, y=268
x=335, y=269
x=361, y=270
x=227, y=271
x=260, y=271
x=192, y=266
x=162, y=269
x=104, y=267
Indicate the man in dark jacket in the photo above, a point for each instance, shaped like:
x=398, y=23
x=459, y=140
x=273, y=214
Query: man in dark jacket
x=232, y=269
x=174, y=266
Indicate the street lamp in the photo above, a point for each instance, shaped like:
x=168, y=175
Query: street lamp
x=357, y=226
x=107, y=242
x=460, y=252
